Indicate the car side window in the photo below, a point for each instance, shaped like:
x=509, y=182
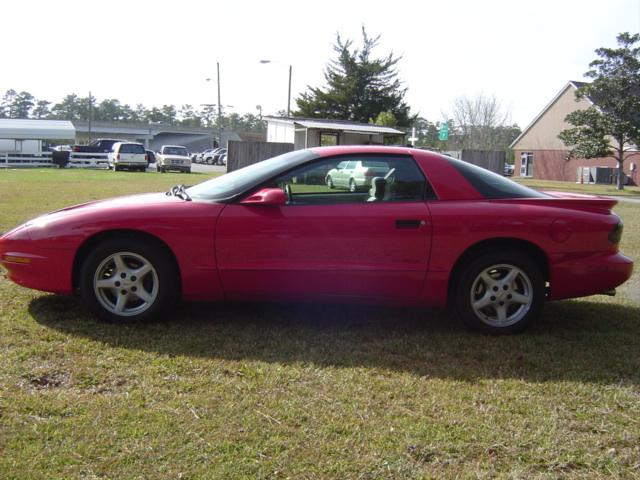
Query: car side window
x=377, y=178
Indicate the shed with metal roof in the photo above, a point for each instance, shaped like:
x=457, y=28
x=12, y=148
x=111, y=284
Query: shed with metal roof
x=314, y=132
x=21, y=136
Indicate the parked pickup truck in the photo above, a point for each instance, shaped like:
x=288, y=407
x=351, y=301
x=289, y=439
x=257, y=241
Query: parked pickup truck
x=102, y=145
x=93, y=154
x=173, y=157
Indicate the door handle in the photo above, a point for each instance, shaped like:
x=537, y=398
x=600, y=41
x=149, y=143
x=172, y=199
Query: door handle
x=409, y=224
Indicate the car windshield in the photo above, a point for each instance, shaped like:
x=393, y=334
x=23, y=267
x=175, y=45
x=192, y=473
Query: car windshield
x=179, y=151
x=228, y=186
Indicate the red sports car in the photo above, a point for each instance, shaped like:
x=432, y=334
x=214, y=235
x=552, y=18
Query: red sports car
x=430, y=230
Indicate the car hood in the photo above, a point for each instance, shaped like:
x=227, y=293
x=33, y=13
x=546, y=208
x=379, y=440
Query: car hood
x=135, y=211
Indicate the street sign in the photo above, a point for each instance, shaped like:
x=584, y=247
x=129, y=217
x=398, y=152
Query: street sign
x=444, y=131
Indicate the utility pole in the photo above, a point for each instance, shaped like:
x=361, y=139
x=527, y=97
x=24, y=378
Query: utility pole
x=219, y=108
x=289, y=94
x=90, y=114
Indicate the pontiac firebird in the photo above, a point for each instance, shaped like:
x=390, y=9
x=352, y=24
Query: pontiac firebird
x=426, y=230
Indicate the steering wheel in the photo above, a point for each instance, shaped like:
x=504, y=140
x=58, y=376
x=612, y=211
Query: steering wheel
x=287, y=192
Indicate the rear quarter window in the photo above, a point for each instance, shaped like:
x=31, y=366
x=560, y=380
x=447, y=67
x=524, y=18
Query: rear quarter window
x=490, y=184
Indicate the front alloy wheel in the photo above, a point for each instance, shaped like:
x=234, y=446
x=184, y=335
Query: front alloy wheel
x=125, y=284
x=127, y=280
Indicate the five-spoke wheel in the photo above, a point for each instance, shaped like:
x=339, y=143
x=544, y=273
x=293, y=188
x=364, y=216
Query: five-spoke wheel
x=500, y=292
x=126, y=280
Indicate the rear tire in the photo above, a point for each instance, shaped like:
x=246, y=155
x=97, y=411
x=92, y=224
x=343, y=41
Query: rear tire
x=500, y=292
x=126, y=280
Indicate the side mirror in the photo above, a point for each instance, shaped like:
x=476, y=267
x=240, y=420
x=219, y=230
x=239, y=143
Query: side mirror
x=266, y=196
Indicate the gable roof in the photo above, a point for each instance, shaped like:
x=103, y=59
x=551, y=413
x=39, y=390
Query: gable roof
x=571, y=84
x=342, y=125
x=28, y=129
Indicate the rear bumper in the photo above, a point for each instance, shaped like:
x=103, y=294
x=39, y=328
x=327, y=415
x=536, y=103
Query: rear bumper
x=580, y=277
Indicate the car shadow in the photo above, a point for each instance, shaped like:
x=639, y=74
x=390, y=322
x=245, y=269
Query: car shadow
x=582, y=341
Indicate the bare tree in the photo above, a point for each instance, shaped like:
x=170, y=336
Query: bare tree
x=480, y=123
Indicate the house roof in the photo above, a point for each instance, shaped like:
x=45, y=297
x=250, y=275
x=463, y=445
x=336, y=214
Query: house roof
x=341, y=125
x=571, y=84
x=20, y=129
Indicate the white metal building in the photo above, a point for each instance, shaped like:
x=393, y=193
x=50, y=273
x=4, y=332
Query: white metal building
x=27, y=137
x=314, y=132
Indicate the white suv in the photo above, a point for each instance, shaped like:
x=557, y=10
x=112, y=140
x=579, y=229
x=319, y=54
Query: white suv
x=128, y=155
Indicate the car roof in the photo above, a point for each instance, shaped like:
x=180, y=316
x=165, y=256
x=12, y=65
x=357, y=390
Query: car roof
x=354, y=149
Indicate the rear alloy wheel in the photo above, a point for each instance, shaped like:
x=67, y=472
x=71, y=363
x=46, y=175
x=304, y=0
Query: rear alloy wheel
x=500, y=293
x=124, y=281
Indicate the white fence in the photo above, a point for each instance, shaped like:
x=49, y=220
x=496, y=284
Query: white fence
x=88, y=160
x=76, y=160
x=8, y=160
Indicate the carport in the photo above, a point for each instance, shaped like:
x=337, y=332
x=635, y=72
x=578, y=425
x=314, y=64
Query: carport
x=314, y=132
x=24, y=142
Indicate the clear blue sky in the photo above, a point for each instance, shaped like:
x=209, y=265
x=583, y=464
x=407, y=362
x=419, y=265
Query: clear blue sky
x=157, y=52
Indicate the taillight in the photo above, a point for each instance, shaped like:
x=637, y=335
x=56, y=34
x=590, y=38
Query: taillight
x=369, y=173
x=616, y=234
x=118, y=157
x=76, y=148
x=145, y=157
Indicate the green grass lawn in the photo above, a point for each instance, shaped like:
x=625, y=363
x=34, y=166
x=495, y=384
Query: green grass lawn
x=307, y=391
x=591, y=189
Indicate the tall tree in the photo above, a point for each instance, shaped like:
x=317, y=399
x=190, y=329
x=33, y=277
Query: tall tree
x=480, y=123
x=611, y=128
x=359, y=87
x=22, y=104
x=6, y=102
x=41, y=109
x=68, y=109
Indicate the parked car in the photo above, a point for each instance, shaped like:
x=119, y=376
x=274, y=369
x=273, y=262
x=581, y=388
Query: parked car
x=218, y=157
x=202, y=156
x=433, y=231
x=211, y=157
x=508, y=169
x=127, y=155
x=356, y=174
x=173, y=157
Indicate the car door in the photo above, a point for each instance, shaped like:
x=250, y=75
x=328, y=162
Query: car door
x=338, y=175
x=326, y=243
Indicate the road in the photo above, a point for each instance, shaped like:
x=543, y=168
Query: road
x=197, y=168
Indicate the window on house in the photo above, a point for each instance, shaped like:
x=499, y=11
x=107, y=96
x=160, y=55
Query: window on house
x=328, y=139
x=526, y=164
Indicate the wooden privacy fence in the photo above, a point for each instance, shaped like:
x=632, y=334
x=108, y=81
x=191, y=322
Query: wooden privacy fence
x=241, y=154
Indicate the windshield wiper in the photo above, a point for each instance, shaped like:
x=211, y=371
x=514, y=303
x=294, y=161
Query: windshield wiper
x=179, y=191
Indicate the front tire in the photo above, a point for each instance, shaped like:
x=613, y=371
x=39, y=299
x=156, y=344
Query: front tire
x=500, y=292
x=330, y=184
x=125, y=280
